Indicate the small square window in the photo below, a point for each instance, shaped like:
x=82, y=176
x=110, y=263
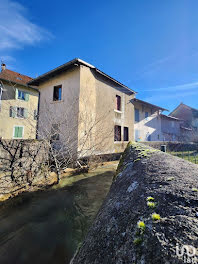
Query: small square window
x=146, y=115
x=57, y=95
x=21, y=95
x=117, y=133
x=126, y=134
x=118, y=103
x=137, y=115
x=18, y=132
x=20, y=112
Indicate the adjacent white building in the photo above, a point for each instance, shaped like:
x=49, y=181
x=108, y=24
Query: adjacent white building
x=147, y=122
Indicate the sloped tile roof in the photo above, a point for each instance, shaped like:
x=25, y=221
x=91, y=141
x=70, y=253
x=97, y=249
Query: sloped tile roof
x=14, y=77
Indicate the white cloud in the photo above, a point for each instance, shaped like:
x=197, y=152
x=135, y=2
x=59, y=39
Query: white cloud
x=16, y=30
x=180, y=87
x=7, y=58
x=154, y=66
x=161, y=97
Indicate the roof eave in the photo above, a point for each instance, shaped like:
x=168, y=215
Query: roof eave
x=152, y=105
x=49, y=74
x=24, y=85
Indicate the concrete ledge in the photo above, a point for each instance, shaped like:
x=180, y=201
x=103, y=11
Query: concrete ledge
x=172, y=146
x=124, y=231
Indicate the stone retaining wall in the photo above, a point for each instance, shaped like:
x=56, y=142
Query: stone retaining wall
x=23, y=164
x=172, y=146
x=149, y=214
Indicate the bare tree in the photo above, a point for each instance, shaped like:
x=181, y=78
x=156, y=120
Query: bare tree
x=65, y=138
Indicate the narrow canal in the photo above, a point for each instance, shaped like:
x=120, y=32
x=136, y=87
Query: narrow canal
x=47, y=227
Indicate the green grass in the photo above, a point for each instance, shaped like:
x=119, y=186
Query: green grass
x=191, y=156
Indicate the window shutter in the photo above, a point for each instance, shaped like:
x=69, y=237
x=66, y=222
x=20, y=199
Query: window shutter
x=20, y=132
x=13, y=111
x=16, y=94
x=16, y=132
x=35, y=114
x=26, y=96
x=25, y=113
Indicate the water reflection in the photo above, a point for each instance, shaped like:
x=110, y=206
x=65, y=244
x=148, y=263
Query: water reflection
x=46, y=227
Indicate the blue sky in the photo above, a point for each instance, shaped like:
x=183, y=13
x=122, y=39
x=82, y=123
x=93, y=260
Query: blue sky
x=151, y=46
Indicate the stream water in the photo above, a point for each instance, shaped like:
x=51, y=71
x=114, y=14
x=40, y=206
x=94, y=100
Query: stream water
x=47, y=227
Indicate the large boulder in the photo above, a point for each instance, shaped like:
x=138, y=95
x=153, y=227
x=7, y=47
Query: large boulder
x=126, y=230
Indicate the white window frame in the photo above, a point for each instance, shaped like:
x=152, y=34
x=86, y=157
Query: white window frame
x=14, y=131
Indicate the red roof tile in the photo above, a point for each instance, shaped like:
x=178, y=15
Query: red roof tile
x=14, y=77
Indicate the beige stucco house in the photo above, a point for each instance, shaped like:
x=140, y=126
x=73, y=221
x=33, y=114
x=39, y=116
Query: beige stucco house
x=84, y=109
x=18, y=106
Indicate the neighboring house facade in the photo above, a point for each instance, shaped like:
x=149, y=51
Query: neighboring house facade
x=84, y=107
x=18, y=106
x=147, y=122
x=170, y=128
x=189, y=127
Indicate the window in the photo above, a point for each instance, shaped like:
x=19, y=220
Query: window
x=137, y=115
x=118, y=103
x=137, y=135
x=18, y=112
x=149, y=137
x=126, y=134
x=172, y=124
x=35, y=114
x=18, y=132
x=22, y=95
x=146, y=115
x=57, y=96
x=55, y=132
x=117, y=133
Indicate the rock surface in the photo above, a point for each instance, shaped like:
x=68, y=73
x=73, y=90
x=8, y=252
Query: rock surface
x=118, y=234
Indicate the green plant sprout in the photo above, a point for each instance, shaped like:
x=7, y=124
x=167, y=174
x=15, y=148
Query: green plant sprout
x=137, y=241
x=141, y=225
x=151, y=204
x=150, y=198
x=155, y=217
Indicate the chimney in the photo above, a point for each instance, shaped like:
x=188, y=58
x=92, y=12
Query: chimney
x=3, y=66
